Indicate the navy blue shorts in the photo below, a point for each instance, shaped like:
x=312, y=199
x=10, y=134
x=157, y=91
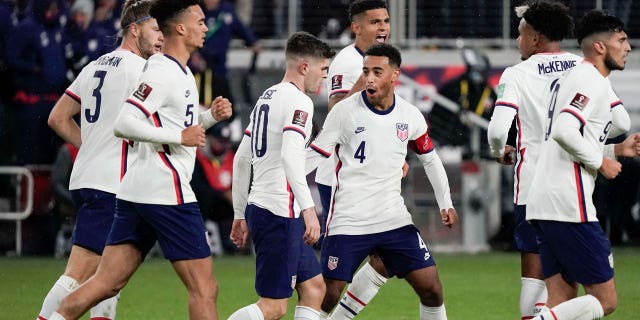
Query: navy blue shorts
x=179, y=229
x=580, y=252
x=523, y=234
x=282, y=257
x=96, y=210
x=402, y=251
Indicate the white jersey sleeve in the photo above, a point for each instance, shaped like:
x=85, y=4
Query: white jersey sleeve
x=242, y=179
x=567, y=168
x=100, y=89
x=621, y=120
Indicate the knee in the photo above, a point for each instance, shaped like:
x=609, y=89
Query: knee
x=273, y=309
x=431, y=295
x=332, y=294
x=609, y=304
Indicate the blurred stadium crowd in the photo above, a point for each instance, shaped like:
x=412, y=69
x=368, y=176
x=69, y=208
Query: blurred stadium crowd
x=45, y=43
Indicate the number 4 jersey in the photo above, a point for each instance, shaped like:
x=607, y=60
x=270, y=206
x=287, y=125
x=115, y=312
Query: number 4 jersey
x=101, y=88
x=370, y=147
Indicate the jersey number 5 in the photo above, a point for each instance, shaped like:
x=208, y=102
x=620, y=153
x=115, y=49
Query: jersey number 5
x=91, y=118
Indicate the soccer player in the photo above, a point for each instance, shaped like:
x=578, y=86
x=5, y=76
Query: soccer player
x=154, y=201
x=97, y=95
x=573, y=247
x=370, y=24
x=370, y=132
x=280, y=214
x=522, y=94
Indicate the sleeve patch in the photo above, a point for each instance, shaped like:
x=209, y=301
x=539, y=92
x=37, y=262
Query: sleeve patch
x=579, y=101
x=336, y=82
x=143, y=91
x=300, y=118
x=501, y=90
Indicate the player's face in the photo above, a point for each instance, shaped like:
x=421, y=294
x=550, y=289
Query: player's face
x=618, y=49
x=317, y=70
x=371, y=27
x=526, y=40
x=150, y=39
x=380, y=78
x=196, y=28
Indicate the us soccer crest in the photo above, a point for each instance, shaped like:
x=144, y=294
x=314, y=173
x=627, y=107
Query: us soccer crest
x=402, y=130
x=332, y=264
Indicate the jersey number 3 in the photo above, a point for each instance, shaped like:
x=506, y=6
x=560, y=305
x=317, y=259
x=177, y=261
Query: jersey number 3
x=91, y=118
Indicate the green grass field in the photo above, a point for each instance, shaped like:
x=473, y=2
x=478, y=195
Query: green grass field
x=482, y=286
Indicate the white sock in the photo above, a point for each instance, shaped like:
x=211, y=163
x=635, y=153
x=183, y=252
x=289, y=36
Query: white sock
x=56, y=316
x=586, y=307
x=323, y=315
x=250, y=312
x=364, y=286
x=60, y=290
x=532, y=292
x=106, y=309
x=433, y=313
x=306, y=313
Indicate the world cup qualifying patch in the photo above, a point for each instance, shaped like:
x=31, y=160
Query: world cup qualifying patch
x=143, y=91
x=300, y=118
x=580, y=101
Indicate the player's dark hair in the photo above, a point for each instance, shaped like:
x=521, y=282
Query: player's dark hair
x=597, y=21
x=134, y=11
x=304, y=44
x=550, y=18
x=385, y=50
x=166, y=11
x=359, y=6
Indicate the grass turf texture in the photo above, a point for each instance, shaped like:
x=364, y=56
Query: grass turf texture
x=482, y=286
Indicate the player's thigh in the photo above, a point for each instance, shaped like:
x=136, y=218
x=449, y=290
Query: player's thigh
x=426, y=283
x=341, y=255
x=96, y=211
x=197, y=275
x=403, y=251
x=130, y=227
x=524, y=234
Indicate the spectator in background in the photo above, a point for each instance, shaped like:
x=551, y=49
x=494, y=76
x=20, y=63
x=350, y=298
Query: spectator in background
x=35, y=56
x=106, y=21
x=211, y=181
x=211, y=62
x=473, y=93
x=86, y=43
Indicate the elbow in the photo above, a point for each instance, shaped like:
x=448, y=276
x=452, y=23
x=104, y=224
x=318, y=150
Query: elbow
x=54, y=121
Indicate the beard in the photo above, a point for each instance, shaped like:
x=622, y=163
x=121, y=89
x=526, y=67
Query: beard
x=611, y=64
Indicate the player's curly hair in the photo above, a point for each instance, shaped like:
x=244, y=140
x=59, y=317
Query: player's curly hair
x=385, y=50
x=304, y=44
x=359, y=6
x=134, y=11
x=550, y=18
x=597, y=21
x=166, y=11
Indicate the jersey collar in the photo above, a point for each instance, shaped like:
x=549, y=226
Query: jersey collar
x=372, y=108
x=176, y=61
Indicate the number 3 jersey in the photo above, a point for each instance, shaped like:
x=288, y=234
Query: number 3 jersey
x=370, y=146
x=279, y=127
x=100, y=89
x=571, y=156
x=167, y=98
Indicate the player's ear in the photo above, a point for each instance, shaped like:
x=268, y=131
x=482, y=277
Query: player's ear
x=180, y=29
x=395, y=75
x=303, y=67
x=133, y=28
x=599, y=47
x=355, y=28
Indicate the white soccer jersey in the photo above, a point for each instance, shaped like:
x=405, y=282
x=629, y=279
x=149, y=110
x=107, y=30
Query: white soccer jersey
x=277, y=133
x=570, y=157
x=167, y=98
x=522, y=93
x=621, y=120
x=344, y=71
x=370, y=146
x=100, y=89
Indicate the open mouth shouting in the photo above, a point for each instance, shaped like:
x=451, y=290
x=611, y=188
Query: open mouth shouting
x=382, y=38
